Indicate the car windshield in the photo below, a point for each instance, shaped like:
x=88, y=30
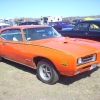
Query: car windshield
x=40, y=33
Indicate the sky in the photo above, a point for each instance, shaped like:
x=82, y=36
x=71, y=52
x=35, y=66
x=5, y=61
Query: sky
x=38, y=8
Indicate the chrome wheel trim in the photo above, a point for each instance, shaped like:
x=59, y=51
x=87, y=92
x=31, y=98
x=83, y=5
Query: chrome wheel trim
x=45, y=72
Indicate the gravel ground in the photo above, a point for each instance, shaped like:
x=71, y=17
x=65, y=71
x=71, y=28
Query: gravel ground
x=18, y=82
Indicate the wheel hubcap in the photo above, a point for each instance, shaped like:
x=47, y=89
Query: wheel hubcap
x=45, y=72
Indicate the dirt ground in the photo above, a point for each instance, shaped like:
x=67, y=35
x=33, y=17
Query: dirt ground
x=18, y=82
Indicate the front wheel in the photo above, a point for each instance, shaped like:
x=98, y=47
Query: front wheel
x=46, y=72
x=1, y=58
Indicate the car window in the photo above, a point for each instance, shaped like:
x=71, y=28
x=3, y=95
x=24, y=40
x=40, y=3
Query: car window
x=40, y=33
x=94, y=27
x=3, y=35
x=81, y=27
x=12, y=34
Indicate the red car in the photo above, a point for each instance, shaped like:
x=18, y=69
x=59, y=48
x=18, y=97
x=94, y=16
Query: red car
x=44, y=49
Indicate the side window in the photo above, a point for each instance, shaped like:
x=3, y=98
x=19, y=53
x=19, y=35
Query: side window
x=94, y=27
x=12, y=34
x=3, y=35
x=81, y=27
x=30, y=34
x=16, y=34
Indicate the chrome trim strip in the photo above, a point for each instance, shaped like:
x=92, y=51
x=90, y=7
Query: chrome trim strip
x=20, y=63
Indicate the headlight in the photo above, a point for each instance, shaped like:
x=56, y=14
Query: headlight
x=94, y=57
x=86, y=59
x=79, y=61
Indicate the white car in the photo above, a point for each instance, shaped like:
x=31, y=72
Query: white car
x=3, y=25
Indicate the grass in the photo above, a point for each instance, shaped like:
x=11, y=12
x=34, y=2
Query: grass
x=18, y=82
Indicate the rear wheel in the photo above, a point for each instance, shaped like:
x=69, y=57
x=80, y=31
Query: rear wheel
x=46, y=72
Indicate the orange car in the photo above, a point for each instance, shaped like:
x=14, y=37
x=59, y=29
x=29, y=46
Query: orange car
x=43, y=48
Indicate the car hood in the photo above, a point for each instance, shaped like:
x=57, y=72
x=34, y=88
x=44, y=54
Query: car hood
x=66, y=44
x=93, y=43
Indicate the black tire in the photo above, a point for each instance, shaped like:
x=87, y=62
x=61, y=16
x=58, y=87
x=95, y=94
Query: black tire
x=1, y=59
x=46, y=72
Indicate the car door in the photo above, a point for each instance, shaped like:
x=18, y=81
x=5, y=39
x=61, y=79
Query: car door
x=3, y=37
x=81, y=30
x=94, y=32
x=13, y=45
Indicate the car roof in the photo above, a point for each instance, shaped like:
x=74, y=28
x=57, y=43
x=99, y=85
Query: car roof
x=91, y=21
x=25, y=26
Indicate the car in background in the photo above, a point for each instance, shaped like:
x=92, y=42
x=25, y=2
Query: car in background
x=89, y=29
x=43, y=48
x=61, y=25
x=29, y=23
x=3, y=25
x=75, y=21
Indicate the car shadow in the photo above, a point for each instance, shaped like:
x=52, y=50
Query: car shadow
x=19, y=66
x=69, y=80
x=63, y=79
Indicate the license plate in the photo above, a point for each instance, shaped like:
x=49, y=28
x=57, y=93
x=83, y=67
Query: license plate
x=93, y=66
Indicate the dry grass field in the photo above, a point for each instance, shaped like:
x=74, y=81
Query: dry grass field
x=18, y=82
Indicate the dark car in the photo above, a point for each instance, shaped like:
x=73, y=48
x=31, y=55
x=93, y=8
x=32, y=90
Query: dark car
x=29, y=23
x=74, y=22
x=61, y=25
x=89, y=29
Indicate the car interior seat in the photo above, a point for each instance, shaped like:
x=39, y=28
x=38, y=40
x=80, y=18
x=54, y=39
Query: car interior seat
x=17, y=37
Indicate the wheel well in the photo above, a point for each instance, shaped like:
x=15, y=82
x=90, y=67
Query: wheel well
x=38, y=58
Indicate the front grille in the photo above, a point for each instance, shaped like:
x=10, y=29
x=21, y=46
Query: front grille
x=88, y=58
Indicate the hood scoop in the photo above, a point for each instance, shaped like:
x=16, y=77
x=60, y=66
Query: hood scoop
x=61, y=41
x=65, y=41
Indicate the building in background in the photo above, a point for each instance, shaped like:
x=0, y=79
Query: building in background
x=47, y=19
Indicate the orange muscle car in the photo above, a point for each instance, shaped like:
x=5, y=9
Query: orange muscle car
x=43, y=48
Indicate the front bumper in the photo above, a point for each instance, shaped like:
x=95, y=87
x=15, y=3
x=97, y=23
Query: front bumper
x=87, y=68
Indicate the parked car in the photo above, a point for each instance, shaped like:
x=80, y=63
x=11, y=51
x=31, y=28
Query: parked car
x=75, y=21
x=3, y=25
x=29, y=23
x=89, y=29
x=61, y=25
x=43, y=48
